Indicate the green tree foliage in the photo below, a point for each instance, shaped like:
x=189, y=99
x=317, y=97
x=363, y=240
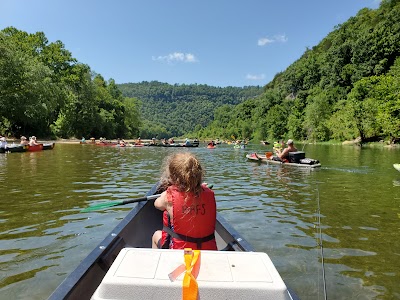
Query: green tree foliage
x=345, y=87
x=276, y=120
x=28, y=93
x=372, y=108
x=44, y=91
x=317, y=114
x=174, y=110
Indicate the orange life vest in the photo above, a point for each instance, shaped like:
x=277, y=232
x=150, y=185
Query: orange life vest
x=193, y=222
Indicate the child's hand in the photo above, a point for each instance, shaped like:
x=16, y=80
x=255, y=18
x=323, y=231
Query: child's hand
x=206, y=185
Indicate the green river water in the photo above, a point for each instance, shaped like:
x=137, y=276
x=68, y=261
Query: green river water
x=44, y=236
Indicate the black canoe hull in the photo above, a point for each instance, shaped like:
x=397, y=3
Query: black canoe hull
x=25, y=148
x=263, y=159
x=18, y=148
x=49, y=146
x=135, y=230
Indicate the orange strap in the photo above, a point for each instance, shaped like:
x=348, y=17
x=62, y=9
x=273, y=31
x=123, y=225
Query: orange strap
x=189, y=285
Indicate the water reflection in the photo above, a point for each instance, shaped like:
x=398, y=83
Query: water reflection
x=44, y=235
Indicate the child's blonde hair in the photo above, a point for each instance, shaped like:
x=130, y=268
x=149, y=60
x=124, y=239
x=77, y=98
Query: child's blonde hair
x=183, y=170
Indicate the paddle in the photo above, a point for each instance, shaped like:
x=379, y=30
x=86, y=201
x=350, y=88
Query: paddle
x=123, y=202
x=255, y=156
x=117, y=203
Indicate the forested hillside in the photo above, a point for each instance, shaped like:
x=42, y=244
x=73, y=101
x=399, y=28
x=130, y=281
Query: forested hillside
x=345, y=87
x=46, y=92
x=174, y=110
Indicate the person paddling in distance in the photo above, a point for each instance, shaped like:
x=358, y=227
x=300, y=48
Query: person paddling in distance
x=3, y=142
x=189, y=206
x=24, y=141
x=283, y=154
x=32, y=141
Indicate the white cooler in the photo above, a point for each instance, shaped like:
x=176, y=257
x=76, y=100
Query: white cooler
x=139, y=273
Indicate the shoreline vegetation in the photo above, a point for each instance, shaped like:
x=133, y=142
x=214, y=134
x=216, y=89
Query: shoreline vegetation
x=355, y=142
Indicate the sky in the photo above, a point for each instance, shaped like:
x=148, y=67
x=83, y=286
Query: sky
x=214, y=42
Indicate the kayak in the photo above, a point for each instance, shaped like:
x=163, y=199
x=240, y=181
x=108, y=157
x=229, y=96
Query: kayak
x=127, y=249
x=128, y=145
x=210, y=147
x=48, y=146
x=397, y=167
x=171, y=145
x=312, y=163
x=110, y=144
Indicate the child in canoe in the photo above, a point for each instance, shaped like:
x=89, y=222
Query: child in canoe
x=189, y=206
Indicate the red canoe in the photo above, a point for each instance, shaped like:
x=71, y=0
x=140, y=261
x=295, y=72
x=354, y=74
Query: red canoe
x=38, y=147
x=105, y=144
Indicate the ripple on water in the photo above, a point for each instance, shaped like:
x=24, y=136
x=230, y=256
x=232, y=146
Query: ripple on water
x=273, y=207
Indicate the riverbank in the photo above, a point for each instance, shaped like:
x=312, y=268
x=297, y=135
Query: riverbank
x=78, y=141
x=355, y=142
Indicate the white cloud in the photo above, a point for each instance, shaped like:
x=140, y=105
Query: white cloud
x=264, y=41
x=255, y=77
x=177, y=57
x=279, y=38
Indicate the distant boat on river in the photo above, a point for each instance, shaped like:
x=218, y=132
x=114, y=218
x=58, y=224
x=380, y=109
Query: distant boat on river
x=27, y=148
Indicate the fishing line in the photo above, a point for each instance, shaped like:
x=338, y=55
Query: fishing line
x=305, y=142
x=320, y=244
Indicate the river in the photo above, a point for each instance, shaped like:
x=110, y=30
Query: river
x=44, y=236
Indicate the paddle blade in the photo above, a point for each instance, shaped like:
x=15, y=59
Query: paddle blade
x=102, y=206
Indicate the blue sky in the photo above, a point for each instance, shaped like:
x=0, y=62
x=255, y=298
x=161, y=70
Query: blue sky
x=213, y=42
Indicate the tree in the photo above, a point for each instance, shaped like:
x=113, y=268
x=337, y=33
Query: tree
x=28, y=93
x=363, y=109
x=316, y=115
